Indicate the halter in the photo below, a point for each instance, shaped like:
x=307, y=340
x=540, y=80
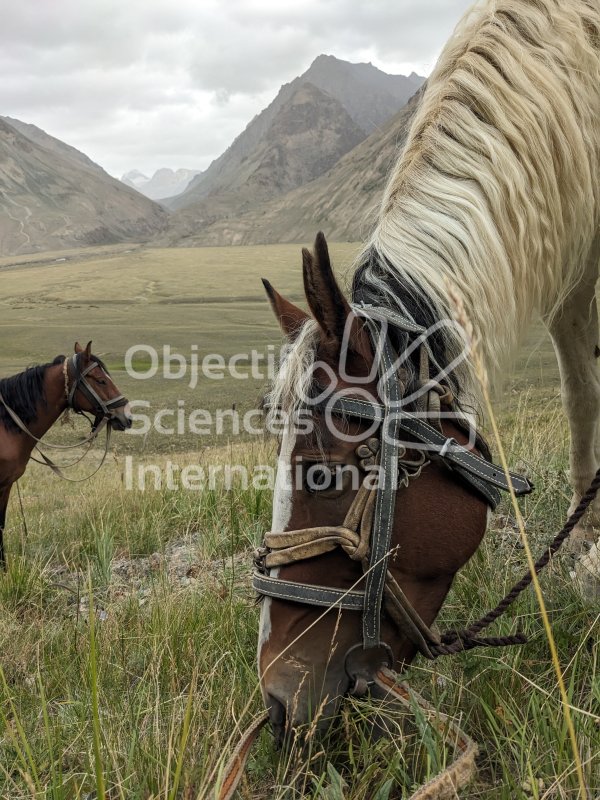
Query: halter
x=366, y=532
x=102, y=409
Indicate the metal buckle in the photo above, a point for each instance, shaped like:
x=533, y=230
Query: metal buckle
x=258, y=558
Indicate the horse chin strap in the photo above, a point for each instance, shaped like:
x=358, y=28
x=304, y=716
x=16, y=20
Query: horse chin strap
x=365, y=535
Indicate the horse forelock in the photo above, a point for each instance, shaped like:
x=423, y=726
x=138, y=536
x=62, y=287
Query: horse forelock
x=294, y=379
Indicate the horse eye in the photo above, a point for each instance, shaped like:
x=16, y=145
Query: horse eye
x=101, y=381
x=323, y=478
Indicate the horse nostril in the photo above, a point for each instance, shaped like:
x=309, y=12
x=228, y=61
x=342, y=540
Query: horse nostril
x=277, y=716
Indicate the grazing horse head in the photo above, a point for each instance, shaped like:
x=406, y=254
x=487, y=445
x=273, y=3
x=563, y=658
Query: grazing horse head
x=89, y=388
x=364, y=519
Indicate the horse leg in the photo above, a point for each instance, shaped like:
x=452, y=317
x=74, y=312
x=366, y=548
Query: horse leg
x=4, y=494
x=575, y=336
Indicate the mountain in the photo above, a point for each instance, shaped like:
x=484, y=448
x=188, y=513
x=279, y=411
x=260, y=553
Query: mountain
x=65, y=151
x=164, y=183
x=343, y=202
x=368, y=96
x=307, y=136
x=135, y=179
x=53, y=197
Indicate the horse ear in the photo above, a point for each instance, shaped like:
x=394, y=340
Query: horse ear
x=290, y=317
x=328, y=303
x=325, y=298
x=86, y=353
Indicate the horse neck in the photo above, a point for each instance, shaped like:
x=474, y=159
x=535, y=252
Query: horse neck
x=55, y=403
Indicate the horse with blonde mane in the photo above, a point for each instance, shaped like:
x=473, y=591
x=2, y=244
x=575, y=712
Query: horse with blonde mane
x=496, y=193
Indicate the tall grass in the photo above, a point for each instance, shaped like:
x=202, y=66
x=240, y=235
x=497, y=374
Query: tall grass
x=135, y=690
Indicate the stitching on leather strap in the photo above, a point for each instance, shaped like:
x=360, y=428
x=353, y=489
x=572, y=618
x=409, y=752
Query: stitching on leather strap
x=350, y=600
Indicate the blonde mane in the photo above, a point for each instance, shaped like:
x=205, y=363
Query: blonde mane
x=497, y=187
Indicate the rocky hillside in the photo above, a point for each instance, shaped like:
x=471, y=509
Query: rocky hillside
x=164, y=183
x=308, y=135
x=61, y=149
x=53, y=197
x=342, y=202
x=367, y=95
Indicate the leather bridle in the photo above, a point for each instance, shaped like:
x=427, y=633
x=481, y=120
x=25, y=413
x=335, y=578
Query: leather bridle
x=102, y=409
x=366, y=532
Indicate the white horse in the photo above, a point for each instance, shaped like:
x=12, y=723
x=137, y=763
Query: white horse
x=498, y=190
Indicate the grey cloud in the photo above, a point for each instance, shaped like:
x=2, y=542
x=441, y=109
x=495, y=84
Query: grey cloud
x=151, y=83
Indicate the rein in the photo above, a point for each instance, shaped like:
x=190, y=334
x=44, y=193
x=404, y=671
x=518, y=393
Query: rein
x=101, y=408
x=392, y=695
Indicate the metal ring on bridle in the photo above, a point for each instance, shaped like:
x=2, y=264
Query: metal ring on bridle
x=359, y=680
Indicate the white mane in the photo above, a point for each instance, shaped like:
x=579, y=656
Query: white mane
x=497, y=187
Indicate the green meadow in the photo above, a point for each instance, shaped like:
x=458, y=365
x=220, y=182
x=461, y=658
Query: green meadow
x=197, y=302
x=145, y=696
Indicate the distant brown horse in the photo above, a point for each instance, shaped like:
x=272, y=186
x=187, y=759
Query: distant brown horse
x=32, y=401
x=496, y=194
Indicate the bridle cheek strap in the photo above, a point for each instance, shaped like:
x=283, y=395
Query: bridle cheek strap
x=385, y=504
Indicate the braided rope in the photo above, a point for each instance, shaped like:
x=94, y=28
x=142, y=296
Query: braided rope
x=459, y=640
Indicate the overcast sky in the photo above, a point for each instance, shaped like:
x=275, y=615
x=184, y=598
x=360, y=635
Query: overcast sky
x=169, y=83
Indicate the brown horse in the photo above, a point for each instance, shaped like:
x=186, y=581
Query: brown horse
x=495, y=194
x=437, y=524
x=38, y=397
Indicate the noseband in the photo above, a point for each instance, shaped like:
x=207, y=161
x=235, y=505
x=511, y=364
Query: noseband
x=366, y=532
x=102, y=409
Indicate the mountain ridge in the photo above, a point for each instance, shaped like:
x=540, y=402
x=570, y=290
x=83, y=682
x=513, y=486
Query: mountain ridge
x=52, y=197
x=343, y=202
x=165, y=182
x=367, y=94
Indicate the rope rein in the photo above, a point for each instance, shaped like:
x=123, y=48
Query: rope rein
x=466, y=639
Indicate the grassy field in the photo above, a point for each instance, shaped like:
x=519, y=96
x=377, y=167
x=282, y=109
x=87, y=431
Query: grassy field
x=210, y=299
x=148, y=700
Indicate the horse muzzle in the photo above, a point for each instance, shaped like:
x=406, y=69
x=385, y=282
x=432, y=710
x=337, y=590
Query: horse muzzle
x=120, y=418
x=294, y=722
